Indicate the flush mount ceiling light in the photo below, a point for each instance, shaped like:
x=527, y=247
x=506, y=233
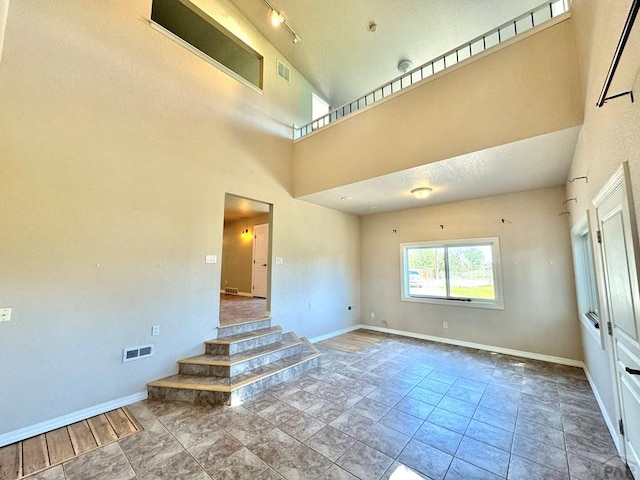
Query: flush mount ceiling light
x=277, y=18
x=421, y=192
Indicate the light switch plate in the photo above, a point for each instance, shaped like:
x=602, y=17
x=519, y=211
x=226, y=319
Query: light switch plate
x=155, y=330
x=210, y=259
x=5, y=314
x=279, y=261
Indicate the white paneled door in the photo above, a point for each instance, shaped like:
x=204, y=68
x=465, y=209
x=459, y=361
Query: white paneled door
x=619, y=247
x=260, y=274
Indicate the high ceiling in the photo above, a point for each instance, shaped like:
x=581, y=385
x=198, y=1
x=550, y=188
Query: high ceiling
x=343, y=59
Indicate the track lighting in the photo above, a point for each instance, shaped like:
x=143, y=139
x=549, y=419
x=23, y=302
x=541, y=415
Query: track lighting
x=277, y=18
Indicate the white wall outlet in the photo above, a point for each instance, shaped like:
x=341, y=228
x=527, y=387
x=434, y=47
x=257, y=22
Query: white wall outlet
x=5, y=314
x=279, y=261
x=445, y=324
x=373, y=315
x=310, y=305
x=155, y=330
x=210, y=259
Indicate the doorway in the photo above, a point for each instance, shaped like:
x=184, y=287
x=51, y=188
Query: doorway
x=619, y=246
x=245, y=265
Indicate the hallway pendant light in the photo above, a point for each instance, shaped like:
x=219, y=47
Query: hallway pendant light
x=421, y=192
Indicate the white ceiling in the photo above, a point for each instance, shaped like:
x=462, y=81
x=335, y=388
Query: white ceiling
x=344, y=60
x=237, y=208
x=530, y=164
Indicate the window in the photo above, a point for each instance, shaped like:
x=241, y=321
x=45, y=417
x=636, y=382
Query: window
x=454, y=272
x=196, y=30
x=586, y=289
x=319, y=108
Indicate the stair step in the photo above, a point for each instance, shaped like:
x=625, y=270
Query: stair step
x=246, y=326
x=244, y=341
x=200, y=389
x=220, y=365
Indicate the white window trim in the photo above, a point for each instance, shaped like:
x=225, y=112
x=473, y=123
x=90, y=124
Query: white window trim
x=581, y=229
x=497, y=304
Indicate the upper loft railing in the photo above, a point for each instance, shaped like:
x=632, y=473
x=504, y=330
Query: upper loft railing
x=539, y=15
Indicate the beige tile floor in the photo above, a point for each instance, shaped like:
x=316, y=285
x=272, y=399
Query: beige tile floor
x=399, y=409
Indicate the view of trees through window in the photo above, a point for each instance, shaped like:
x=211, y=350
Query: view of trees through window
x=451, y=271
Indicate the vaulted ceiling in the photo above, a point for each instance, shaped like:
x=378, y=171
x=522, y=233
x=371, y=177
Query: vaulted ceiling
x=343, y=59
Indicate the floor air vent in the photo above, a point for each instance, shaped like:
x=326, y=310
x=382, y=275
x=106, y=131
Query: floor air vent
x=231, y=291
x=136, y=353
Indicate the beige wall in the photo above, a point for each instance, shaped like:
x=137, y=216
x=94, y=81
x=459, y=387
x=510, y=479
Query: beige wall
x=523, y=90
x=237, y=252
x=117, y=148
x=609, y=136
x=539, y=313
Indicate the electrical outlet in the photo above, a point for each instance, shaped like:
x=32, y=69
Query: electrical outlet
x=445, y=324
x=310, y=305
x=373, y=315
x=210, y=259
x=155, y=330
x=5, y=314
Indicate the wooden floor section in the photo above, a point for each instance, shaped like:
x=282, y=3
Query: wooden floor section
x=24, y=458
x=352, y=341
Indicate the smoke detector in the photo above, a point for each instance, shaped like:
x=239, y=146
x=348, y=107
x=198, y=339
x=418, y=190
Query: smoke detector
x=405, y=65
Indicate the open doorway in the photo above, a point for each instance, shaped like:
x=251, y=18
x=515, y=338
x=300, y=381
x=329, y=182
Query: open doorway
x=246, y=267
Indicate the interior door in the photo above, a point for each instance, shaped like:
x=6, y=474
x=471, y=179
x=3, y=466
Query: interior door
x=260, y=274
x=618, y=237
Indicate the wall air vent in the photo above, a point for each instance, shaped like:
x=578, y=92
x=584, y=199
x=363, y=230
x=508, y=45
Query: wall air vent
x=136, y=353
x=283, y=71
x=231, y=291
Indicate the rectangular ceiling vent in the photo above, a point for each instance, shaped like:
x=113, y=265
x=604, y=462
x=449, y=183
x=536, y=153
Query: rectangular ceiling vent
x=136, y=353
x=283, y=71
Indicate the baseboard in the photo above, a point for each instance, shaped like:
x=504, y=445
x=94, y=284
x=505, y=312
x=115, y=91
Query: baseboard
x=239, y=294
x=335, y=333
x=613, y=430
x=479, y=346
x=64, y=420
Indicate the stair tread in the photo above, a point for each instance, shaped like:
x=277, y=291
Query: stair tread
x=195, y=382
x=240, y=337
x=288, y=340
x=245, y=322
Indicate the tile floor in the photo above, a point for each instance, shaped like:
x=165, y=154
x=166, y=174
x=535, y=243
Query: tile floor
x=236, y=309
x=399, y=409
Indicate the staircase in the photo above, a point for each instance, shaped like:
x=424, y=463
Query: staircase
x=244, y=360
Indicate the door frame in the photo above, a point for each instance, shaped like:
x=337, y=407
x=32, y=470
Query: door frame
x=270, y=250
x=621, y=179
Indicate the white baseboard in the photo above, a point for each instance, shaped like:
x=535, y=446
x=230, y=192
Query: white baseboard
x=335, y=333
x=613, y=430
x=64, y=420
x=461, y=343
